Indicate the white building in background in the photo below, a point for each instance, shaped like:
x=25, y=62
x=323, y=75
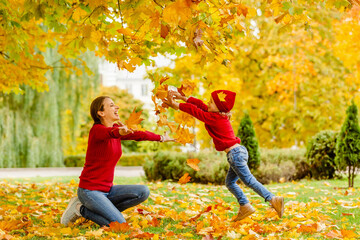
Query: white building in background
x=134, y=82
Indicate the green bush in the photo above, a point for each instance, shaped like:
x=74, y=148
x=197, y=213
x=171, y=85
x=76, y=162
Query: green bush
x=133, y=159
x=278, y=164
x=74, y=161
x=172, y=165
x=282, y=165
x=321, y=155
x=246, y=133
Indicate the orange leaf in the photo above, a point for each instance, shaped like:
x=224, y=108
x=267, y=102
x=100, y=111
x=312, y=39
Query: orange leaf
x=142, y=235
x=134, y=120
x=347, y=214
x=242, y=9
x=184, y=179
x=309, y=228
x=119, y=227
x=333, y=234
x=162, y=120
x=348, y=233
x=163, y=79
x=162, y=91
x=172, y=126
x=164, y=31
x=193, y=163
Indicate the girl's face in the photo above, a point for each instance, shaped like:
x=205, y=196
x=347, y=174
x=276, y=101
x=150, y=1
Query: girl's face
x=212, y=106
x=110, y=113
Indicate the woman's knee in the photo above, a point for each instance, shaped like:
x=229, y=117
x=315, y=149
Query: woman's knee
x=145, y=192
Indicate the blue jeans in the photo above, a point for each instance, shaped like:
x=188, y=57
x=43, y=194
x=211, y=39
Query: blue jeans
x=106, y=207
x=238, y=158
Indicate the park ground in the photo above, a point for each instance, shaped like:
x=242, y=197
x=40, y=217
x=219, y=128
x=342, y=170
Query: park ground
x=31, y=208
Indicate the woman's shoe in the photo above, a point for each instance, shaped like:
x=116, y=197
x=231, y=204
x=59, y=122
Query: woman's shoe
x=71, y=213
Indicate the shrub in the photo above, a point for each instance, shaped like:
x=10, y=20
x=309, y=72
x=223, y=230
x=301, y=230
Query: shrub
x=348, y=144
x=133, y=159
x=278, y=164
x=246, y=133
x=172, y=165
x=321, y=155
x=282, y=165
x=74, y=160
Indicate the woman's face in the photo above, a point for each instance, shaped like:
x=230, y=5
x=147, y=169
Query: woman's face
x=110, y=112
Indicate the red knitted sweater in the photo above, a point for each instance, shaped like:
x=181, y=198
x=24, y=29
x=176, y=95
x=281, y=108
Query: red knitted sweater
x=103, y=152
x=217, y=125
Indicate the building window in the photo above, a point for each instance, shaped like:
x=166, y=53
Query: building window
x=128, y=88
x=144, y=89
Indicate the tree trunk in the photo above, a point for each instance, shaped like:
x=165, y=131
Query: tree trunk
x=353, y=176
x=349, y=176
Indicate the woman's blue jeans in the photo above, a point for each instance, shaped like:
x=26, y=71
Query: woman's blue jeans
x=106, y=207
x=238, y=158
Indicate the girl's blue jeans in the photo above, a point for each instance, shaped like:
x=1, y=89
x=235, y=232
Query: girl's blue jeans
x=106, y=207
x=238, y=158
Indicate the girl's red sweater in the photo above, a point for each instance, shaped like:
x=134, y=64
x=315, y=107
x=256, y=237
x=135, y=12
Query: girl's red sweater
x=103, y=152
x=217, y=125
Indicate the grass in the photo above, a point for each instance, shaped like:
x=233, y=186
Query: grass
x=313, y=210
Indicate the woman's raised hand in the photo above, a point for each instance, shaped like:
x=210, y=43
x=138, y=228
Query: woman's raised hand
x=167, y=138
x=124, y=130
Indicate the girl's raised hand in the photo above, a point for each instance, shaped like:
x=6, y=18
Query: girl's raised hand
x=177, y=95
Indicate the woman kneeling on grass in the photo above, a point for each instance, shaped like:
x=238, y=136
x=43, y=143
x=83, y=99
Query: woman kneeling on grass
x=98, y=199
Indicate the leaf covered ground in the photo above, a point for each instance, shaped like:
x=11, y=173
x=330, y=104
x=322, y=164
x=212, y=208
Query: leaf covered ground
x=31, y=209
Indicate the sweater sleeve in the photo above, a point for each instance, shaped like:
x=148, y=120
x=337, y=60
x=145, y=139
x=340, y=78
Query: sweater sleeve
x=141, y=136
x=198, y=113
x=101, y=132
x=198, y=103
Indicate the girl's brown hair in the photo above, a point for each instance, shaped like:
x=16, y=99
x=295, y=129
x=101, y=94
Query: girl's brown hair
x=97, y=105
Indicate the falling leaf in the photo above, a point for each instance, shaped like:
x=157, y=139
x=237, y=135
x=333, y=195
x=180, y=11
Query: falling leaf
x=163, y=79
x=134, y=120
x=193, y=163
x=184, y=179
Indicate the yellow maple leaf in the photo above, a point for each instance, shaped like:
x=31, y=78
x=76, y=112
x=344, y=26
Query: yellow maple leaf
x=193, y=163
x=184, y=179
x=222, y=96
x=134, y=120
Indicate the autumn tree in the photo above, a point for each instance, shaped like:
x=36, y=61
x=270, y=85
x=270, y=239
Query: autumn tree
x=289, y=78
x=38, y=128
x=129, y=32
x=246, y=133
x=348, y=143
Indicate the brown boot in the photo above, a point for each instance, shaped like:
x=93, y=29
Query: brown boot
x=278, y=204
x=244, y=211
